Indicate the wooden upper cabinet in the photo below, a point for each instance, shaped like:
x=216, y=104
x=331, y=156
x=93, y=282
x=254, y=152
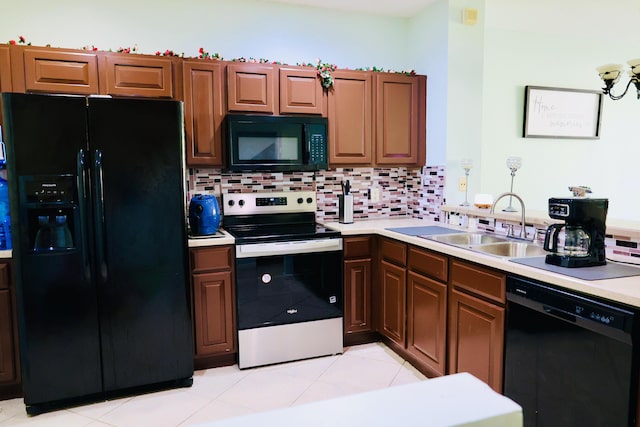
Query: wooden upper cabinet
x=5, y=69
x=398, y=121
x=124, y=74
x=300, y=91
x=5, y=74
x=251, y=88
x=203, y=111
x=52, y=70
x=350, y=118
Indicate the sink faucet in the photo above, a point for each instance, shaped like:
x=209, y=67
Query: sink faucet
x=523, y=230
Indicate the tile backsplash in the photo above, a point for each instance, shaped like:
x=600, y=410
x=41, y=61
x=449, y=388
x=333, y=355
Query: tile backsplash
x=416, y=193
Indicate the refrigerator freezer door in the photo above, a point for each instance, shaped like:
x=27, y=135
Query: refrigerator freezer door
x=57, y=302
x=142, y=272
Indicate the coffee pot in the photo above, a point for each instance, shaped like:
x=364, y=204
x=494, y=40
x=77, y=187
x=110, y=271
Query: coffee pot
x=576, y=240
x=584, y=232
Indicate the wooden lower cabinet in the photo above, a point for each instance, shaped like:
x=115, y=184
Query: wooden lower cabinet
x=9, y=359
x=476, y=322
x=213, y=306
x=7, y=364
x=394, y=297
x=427, y=322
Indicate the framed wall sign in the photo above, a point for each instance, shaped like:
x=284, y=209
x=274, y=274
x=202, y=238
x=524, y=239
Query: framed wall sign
x=561, y=113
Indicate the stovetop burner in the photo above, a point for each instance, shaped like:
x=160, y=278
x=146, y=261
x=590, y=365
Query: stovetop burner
x=273, y=217
x=279, y=233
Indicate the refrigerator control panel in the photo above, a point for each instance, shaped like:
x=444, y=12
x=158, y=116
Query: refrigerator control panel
x=50, y=189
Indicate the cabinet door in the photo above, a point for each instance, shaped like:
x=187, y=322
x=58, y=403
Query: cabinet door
x=251, y=88
x=350, y=112
x=7, y=362
x=135, y=75
x=393, y=286
x=476, y=338
x=300, y=91
x=357, y=296
x=5, y=74
x=57, y=71
x=427, y=321
x=397, y=119
x=203, y=111
x=213, y=313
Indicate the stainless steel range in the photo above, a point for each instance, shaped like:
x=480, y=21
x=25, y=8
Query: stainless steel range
x=288, y=278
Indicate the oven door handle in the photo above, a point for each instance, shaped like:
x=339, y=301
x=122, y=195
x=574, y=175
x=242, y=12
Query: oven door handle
x=288, y=248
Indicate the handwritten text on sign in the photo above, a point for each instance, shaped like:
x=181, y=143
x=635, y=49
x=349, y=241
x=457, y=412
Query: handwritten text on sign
x=562, y=113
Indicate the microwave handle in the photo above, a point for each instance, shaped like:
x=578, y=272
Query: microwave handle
x=307, y=144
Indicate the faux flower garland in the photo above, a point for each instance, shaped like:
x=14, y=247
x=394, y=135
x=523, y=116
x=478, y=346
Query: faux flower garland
x=325, y=70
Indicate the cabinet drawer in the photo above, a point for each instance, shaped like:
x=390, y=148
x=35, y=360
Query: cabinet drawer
x=357, y=247
x=428, y=263
x=393, y=251
x=211, y=259
x=478, y=280
x=5, y=279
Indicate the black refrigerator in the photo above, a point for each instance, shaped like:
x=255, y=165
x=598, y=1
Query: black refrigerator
x=100, y=251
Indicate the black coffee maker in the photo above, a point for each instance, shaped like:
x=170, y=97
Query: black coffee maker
x=585, y=225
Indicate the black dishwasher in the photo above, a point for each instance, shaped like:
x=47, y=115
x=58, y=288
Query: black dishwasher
x=569, y=359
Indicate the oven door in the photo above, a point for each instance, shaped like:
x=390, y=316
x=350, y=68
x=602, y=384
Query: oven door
x=289, y=301
x=288, y=282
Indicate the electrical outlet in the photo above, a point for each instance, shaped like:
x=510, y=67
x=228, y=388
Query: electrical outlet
x=375, y=194
x=462, y=184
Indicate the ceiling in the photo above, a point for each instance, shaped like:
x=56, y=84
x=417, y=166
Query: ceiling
x=400, y=8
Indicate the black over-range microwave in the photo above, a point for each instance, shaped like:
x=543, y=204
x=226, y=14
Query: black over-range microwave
x=276, y=143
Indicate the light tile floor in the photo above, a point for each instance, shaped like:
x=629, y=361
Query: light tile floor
x=228, y=392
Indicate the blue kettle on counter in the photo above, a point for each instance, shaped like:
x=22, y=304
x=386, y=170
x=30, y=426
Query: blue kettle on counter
x=204, y=215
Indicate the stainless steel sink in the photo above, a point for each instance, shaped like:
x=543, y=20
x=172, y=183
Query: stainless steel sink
x=511, y=249
x=466, y=239
x=490, y=244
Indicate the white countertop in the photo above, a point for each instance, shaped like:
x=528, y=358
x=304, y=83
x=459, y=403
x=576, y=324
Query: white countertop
x=452, y=400
x=625, y=290
x=220, y=238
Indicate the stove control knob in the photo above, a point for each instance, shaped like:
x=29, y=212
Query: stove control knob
x=309, y=200
x=231, y=202
x=241, y=202
x=300, y=200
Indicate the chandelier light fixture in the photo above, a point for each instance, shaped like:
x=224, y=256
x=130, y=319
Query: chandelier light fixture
x=610, y=74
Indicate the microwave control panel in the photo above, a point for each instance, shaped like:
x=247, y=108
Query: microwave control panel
x=317, y=144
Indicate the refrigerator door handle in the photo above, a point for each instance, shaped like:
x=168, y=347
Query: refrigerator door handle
x=98, y=213
x=82, y=206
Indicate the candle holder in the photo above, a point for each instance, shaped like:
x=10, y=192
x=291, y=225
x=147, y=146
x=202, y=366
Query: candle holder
x=513, y=163
x=466, y=164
